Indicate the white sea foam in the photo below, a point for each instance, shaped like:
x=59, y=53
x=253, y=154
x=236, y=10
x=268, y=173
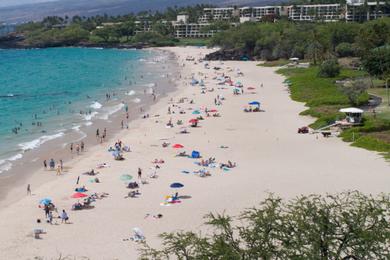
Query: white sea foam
x=15, y=157
x=130, y=93
x=76, y=127
x=88, y=117
x=111, y=110
x=39, y=141
x=136, y=100
x=96, y=105
x=5, y=166
x=88, y=123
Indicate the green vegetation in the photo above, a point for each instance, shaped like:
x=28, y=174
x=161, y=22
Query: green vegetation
x=313, y=41
x=349, y=225
x=193, y=42
x=110, y=30
x=324, y=98
x=329, y=68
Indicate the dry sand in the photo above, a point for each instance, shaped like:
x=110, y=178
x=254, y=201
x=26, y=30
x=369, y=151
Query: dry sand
x=270, y=155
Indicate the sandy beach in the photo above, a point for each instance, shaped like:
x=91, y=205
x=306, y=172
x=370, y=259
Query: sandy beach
x=270, y=157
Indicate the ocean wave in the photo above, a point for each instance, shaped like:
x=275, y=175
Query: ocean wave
x=136, y=100
x=96, y=105
x=111, y=110
x=130, y=93
x=5, y=166
x=38, y=142
x=15, y=157
x=89, y=117
x=88, y=123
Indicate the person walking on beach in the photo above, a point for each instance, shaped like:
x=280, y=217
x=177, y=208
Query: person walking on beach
x=139, y=173
x=58, y=169
x=52, y=164
x=28, y=189
x=64, y=217
x=97, y=134
x=77, y=149
x=71, y=147
x=50, y=218
x=62, y=165
x=78, y=179
x=82, y=146
x=45, y=164
x=47, y=210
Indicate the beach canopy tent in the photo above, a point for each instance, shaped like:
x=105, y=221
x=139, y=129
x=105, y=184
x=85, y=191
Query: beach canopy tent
x=45, y=201
x=79, y=195
x=195, y=154
x=254, y=103
x=177, y=146
x=354, y=115
x=126, y=177
x=176, y=185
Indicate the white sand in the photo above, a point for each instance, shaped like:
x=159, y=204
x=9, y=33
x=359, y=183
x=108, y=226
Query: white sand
x=271, y=157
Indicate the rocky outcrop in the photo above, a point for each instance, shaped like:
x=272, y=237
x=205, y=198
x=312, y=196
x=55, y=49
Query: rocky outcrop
x=231, y=54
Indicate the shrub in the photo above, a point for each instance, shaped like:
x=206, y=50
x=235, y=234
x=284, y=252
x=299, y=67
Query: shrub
x=345, y=49
x=329, y=69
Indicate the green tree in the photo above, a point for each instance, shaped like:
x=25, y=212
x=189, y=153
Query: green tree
x=329, y=69
x=354, y=89
x=348, y=225
x=377, y=61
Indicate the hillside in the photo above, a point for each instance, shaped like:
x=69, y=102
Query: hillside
x=37, y=11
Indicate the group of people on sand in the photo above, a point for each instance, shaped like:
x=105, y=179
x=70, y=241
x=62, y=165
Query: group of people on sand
x=53, y=165
x=79, y=148
x=101, y=136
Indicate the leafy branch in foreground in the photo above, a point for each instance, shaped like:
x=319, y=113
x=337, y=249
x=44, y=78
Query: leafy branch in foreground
x=348, y=225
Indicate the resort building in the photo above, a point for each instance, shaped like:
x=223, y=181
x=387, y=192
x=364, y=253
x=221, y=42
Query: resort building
x=258, y=14
x=358, y=11
x=218, y=14
x=320, y=12
x=192, y=30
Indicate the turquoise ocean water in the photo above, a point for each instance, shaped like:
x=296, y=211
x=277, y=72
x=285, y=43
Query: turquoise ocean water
x=44, y=92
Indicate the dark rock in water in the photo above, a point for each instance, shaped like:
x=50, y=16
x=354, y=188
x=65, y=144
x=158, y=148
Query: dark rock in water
x=231, y=54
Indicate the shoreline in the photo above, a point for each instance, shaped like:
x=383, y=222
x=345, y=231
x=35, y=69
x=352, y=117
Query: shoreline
x=14, y=179
x=270, y=156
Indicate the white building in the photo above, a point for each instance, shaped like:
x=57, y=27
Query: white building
x=321, y=12
x=192, y=30
x=218, y=14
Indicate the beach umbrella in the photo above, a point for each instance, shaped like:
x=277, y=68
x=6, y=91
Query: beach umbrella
x=213, y=110
x=79, y=195
x=193, y=121
x=126, y=177
x=254, y=103
x=238, y=84
x=176, y=185
x=45, y=201
x=177, y=146
x=196, y=112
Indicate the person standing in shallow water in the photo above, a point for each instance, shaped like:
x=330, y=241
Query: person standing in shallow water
x=28, y=189
x=45, y=164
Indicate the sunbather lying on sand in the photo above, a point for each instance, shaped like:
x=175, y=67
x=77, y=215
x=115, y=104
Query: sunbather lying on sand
x=158, y=161
x=91, y=172
x=228, y=165
x=182, y=154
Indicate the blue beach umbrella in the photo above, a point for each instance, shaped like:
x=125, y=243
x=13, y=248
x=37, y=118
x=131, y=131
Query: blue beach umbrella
x=196, y=112
x=45, y=201
x=254, y=103
x=176, y=185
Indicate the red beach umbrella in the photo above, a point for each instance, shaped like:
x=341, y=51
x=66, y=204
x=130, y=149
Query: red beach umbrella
x=213, y=110
x=192, y=121
x=79, y=195
x=177, y=146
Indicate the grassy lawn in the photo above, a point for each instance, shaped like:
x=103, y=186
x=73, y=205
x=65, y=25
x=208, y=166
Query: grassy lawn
x=324, y=98
x=193, y=42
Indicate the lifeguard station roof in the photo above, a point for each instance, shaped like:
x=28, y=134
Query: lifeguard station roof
x=351, y=110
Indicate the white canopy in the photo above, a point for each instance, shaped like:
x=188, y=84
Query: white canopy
x=351, y=110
